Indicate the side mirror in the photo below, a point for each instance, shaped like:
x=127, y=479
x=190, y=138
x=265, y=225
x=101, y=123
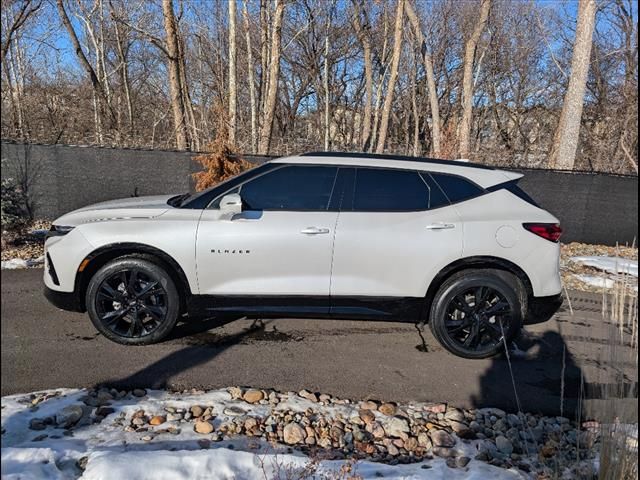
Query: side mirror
x=231, y=204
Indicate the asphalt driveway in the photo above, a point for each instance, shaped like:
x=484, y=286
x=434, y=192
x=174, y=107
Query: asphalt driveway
x=43, y=347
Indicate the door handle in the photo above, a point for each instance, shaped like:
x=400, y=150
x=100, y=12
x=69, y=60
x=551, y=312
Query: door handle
x=314, y=231
x=440, y=226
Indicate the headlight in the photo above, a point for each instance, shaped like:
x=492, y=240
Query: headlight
x=58, y=230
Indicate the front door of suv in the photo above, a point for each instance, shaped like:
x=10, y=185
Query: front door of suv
x=280, y=245
x=396, y=230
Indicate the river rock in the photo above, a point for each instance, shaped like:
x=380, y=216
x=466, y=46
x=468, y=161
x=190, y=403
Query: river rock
x=441, y=438
x=293, y=433
x=203, y=427
x=395, y=426
x=253, y=396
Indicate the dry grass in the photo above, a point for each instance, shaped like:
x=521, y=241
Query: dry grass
x=619, y=436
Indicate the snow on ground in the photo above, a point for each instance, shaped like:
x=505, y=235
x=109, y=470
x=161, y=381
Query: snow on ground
x=598, y=282
x=106, y=450
x=610, y=264
x=17, y=263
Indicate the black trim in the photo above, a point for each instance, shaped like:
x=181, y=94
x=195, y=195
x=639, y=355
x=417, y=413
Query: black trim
x=399, y=309
x=64, y=300
x=52, y=271
x=541, y=309
x=404, y=158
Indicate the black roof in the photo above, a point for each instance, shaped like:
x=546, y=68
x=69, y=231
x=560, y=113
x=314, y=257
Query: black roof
x=405, y=158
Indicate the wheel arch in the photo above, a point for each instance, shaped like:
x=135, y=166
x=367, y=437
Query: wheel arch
x=104, y=254
x=475, y=262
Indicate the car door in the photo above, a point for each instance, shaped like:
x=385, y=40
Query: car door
x=395, y=231
x=280, y=245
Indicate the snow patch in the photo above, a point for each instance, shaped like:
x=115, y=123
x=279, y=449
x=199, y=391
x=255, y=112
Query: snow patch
x=610, y=264
x=18, y=263
x=111, y=452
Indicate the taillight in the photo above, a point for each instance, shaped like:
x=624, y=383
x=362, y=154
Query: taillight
x=550, y=231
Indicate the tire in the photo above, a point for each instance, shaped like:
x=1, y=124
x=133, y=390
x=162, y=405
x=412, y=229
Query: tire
x=475, y=312
x=133, y=301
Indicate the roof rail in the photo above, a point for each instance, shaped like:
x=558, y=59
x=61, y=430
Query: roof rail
x=403, y=158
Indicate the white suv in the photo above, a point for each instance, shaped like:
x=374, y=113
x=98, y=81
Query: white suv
x=317, y=235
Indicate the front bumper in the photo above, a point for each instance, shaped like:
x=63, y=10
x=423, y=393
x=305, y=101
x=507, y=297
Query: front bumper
x=63, y=300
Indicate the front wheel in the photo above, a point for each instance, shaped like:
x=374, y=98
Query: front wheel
x=476, y=312
x=133, y=301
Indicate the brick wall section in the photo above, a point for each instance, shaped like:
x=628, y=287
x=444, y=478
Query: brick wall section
x=593, y=208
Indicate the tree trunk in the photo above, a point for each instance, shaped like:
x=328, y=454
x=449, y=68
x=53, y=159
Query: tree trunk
x=233, y=94
x=251, y=79
x=327, y=113
x=431, y=79
x=363, y=35
x=393, y=76
x=565, y=142
x=274, y=74
x=175, y=84
x=464, y=130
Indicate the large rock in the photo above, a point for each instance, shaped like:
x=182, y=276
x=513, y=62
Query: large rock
x=388, y=409
x=504, y=445
x=293, y=433
x=69, y=415
x=253, y=396
x=441, y=438
x=395, y=426
x=203, y=427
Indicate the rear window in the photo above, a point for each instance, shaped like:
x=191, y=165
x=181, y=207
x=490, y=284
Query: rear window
x=514, y=188
x=386, y=190
x=457, y=189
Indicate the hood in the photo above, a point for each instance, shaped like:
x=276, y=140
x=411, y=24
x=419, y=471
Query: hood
x=122, y=209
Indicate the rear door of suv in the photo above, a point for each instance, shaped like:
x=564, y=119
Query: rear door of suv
x=395, y=231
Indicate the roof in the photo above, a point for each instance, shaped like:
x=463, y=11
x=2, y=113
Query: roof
x=481, y=174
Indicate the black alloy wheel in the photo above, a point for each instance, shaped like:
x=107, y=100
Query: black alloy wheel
x=478, y=318
x=475, y=313
x=133, y=301
x=131, y=304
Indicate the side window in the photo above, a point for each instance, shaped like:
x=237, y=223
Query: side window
x=437, y=198
x=457, y=188
x=290, y=188
x=382, y=190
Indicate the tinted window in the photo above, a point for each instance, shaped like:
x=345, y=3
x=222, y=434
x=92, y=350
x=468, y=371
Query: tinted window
x=290, y=188
x=457, y=189
x=437, y=197
x=342, y=197
x=379, y=190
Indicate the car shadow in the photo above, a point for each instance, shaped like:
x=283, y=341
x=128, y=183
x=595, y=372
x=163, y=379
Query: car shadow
x=158, y=375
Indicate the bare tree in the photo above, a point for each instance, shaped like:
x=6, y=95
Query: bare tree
x=431, y=79
x=274, y=75
x=363, y=29
x=565, y=142
x=250, y=78
x=233, y=89
x=25, y=9
x=464, y=130
x=393, y=76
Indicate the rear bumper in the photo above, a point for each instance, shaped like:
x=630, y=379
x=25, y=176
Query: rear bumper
x=63, y=300
x=541, y=309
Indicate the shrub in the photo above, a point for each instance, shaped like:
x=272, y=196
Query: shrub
x=14, y=211
x=219, y=164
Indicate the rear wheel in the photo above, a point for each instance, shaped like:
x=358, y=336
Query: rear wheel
x=133, y=301
x=476, y=312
